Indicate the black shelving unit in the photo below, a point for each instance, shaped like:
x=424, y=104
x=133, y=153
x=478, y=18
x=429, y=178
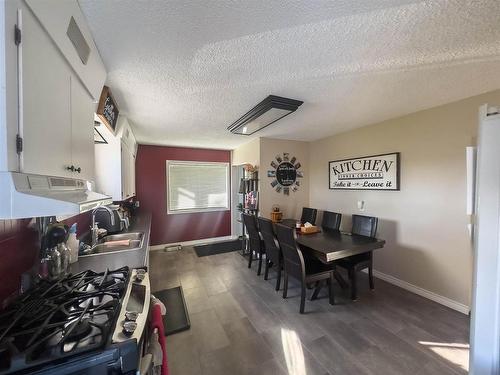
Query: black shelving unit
x=247, y=185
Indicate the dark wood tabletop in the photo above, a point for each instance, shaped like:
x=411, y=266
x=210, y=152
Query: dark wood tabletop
x=330, y=245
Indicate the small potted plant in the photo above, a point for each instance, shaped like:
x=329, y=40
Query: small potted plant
x=250, y=171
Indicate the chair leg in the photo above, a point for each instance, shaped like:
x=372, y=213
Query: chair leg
x=250, y=259
x=303, y=297
x=260, y=265
x=354, y=289
x=317, y=288
x=285, y=284
x=340, y=279
x=370, y=276
x=266, y=269
x=331, y=296
x=278, y=279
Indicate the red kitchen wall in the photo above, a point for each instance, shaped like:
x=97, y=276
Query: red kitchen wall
x=83, y=223
x=19, y=251
x=151, y=191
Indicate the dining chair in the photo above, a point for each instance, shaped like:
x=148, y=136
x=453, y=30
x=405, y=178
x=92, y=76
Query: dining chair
x=331, y=220
x=256, y=245
x=273, y=251
x=308, y=215
x=306, y=269
x=362, y=226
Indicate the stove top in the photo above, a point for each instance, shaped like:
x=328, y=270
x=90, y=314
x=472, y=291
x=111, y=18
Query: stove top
x=61, y=318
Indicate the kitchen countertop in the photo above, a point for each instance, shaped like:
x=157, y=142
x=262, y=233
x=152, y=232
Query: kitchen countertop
x=141, y=222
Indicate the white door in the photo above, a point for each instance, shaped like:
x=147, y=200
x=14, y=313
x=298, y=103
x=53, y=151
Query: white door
x=82, y=130
x=46, y=125
x=485, y=315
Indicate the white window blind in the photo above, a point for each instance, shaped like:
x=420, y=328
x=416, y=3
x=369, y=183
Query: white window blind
x=197, y=186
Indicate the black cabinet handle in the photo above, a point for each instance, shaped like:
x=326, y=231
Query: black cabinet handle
x=71, y=168
x=79, y=169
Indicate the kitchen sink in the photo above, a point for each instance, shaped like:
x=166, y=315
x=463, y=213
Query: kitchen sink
x=137, y=236
x=135, y=242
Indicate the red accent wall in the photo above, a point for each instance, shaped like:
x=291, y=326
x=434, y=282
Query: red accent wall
x=83, y=222
x=18, y=253
x=151, y=191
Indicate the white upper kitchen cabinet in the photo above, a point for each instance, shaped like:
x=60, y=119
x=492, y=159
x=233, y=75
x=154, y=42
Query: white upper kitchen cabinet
x=46, y=103
x=66, y=25
x=82, y=140
x=115, y=161
x=53, y=73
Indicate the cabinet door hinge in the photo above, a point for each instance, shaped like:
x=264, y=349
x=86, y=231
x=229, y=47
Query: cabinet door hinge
x=17, y=35
x=19, y=144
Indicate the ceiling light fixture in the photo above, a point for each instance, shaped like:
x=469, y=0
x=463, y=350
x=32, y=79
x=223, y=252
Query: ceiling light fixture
x=270, y=110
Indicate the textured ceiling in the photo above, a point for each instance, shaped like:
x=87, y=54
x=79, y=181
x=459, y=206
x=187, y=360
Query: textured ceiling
x=182, y=71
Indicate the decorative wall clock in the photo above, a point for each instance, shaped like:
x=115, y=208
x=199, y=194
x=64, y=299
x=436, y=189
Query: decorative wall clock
x=285, y=173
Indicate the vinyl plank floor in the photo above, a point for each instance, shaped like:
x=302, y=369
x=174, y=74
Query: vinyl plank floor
x=241, y=325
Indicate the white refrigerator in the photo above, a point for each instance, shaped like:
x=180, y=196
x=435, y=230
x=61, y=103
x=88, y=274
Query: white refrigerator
x=485, y=312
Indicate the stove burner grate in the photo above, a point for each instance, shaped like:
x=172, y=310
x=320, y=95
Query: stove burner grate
x=61, y=318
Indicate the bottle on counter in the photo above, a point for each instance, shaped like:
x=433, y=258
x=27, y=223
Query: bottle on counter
x=54, y=267
x=65, y=258
x=58, y=253
x=73, y=244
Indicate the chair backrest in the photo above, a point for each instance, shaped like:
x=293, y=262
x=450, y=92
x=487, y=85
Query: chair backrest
x=273, y=251
x=308, y=215
x=331, y=220
x=364, y=225
x=250, y=222
x=292, y=256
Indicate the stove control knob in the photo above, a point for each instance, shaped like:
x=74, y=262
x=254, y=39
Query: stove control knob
x=140, y=276
x=141, y=271
x=131, y=316
x=129, y=328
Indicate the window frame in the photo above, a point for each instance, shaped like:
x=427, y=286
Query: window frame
x=198, y=210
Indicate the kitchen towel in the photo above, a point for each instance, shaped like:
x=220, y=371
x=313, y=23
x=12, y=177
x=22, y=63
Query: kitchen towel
x=157, y=322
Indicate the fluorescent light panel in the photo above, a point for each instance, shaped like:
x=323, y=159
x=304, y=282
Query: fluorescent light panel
x=270, y=110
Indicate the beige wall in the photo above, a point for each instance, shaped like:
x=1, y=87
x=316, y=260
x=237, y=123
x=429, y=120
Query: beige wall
x=424, y=224
x=292, y=204
x=247, y=153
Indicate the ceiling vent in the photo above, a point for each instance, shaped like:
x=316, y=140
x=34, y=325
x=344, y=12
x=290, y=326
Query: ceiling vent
x=78, y=40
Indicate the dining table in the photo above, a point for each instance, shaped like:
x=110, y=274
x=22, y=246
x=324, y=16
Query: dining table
x=329, y=245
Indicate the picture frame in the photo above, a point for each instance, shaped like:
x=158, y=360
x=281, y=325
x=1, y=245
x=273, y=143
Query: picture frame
x=107, y=110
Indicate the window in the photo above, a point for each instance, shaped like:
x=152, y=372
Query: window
x=197, y=186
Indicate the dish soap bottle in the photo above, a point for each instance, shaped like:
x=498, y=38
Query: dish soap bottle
x=73, y=244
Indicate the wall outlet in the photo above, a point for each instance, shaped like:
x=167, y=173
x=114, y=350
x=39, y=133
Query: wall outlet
x=361, y=205
x=137, y=204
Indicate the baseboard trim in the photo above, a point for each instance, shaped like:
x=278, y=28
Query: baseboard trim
x=460, y=307
x=192, y=243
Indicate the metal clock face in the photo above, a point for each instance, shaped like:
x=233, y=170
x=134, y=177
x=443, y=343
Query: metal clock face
x=285, y=173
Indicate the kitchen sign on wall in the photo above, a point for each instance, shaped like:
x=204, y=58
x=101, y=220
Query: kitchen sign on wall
x=377, y=172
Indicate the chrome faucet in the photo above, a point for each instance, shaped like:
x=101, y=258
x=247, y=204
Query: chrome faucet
x=94, y=228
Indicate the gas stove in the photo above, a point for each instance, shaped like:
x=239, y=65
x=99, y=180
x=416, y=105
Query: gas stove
x=76, y=323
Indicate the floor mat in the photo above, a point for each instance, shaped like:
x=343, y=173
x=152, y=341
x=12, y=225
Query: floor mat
x=177, y=318
x=218, y=248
